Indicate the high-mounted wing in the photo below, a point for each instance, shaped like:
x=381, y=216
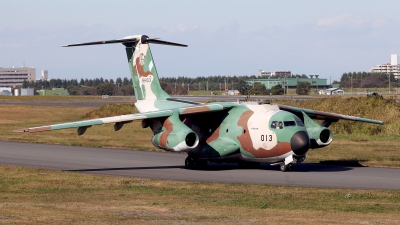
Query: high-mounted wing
x=332, y=117
x=121, y=120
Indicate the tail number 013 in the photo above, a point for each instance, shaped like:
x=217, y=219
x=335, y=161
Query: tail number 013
x=266, y=137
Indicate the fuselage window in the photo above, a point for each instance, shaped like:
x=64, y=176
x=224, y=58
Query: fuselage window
x=289, y=123
x=299, y=123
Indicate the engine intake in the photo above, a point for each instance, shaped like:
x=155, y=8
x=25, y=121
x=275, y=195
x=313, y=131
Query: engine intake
x=320, y=136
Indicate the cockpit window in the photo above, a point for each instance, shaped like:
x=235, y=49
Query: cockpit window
x=289, y=123
x=299, y=123
x=277, y=125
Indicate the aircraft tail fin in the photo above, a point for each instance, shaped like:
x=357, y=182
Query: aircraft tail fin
x=144, y=75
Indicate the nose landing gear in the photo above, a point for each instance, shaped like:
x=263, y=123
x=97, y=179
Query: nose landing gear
x=286, y=168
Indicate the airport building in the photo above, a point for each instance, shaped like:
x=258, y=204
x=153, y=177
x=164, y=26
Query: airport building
x=393, y=67
x=12, y=77
x=53, y=91
x=283, y=73
x=290, y=82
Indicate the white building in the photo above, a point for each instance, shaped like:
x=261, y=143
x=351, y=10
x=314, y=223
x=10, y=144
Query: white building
x=11, y=77
x=283, y=73
x=5, y=91
x=45, y=75
x=331, y=91
x=27, y=91
x=392, y=67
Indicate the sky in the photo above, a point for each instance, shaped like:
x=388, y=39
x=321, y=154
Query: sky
x=224, y=37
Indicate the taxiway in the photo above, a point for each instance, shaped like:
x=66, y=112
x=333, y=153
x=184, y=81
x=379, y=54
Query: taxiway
x=167, y=165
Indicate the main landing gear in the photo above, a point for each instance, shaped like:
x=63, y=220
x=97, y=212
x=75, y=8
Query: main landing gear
x=285, y=168
x=192, y=163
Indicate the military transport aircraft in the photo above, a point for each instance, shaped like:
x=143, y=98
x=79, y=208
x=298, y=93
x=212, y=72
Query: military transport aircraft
x=244, y=133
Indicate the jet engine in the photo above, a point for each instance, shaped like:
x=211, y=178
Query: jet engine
x=319, y=136
x=182, y=140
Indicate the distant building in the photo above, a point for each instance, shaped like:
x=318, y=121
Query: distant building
x=53, y=91
x=331, y=91
x=283, y=73
x=233, y=92
x=27, y=92
x=392, y=67
x=11, y=77
x=45, y=75
x=290, y=82
x=5, y=91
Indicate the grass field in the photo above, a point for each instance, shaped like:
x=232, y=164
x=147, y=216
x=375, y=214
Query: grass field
x=36, y=196
x=354, y=143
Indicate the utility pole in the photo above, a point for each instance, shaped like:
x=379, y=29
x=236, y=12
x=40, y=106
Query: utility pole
x=175, y=87
x=207, y=85
x=351, y=83
x=284, y=86
x=389, y=78
x=317, y=82
x=225, y=84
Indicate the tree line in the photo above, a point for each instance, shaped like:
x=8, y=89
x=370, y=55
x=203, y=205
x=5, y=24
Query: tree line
x=366, y=80
x=183, y=85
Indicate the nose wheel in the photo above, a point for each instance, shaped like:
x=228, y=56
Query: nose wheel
x=286, y=168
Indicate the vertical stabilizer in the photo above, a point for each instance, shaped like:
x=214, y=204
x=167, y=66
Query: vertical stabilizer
x=143, y=70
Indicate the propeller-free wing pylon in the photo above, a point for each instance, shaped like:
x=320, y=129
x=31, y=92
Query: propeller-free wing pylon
x=244, y=133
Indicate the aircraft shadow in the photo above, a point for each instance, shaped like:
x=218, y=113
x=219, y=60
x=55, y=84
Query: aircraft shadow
x=126, y=168
x=303, y=167
x=323, y=166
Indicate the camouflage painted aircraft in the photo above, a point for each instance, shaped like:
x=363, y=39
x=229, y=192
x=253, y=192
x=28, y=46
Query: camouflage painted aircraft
x=243, y=133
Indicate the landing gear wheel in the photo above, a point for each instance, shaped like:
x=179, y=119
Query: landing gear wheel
x=201, y=164
x=189, y=163
x=289, y=167
x=286, y=168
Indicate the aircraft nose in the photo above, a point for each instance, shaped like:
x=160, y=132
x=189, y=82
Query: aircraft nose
x=300, y=142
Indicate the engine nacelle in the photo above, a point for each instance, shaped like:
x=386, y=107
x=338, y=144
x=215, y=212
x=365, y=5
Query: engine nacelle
x=319, y=136
x=182, y=140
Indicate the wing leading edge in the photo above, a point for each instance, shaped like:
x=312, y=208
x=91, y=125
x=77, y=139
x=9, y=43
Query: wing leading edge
x=326, y=115
x=120, y=120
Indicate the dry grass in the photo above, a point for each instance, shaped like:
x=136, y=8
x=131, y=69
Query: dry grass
x=367, y=150
x=35, y=196
x=131, y=136
x=39, y=196
x=58, y=98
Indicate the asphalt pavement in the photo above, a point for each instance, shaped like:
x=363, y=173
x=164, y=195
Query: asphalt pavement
x=169, y=166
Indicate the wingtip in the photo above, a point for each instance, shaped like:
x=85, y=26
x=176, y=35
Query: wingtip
x=21, y=130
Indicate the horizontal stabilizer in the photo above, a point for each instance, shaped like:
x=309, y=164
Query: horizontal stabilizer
x=144, y=39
